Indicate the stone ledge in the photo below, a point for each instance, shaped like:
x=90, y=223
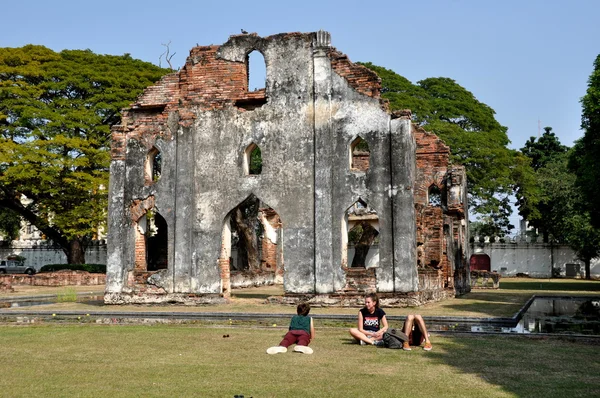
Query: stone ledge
x=58, y=278
x=170, y=298
x=397, y=300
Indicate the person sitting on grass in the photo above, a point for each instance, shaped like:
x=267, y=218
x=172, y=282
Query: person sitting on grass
x=372, y=323
x=415, y=329
x=301, y=332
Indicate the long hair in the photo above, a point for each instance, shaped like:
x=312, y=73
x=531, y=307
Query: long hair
x=374, y=298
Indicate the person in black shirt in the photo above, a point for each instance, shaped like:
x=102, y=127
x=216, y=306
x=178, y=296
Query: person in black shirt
x=372, y=323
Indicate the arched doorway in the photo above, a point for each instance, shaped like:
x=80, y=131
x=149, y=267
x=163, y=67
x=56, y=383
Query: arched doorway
x=157, y=243
x=251, y=251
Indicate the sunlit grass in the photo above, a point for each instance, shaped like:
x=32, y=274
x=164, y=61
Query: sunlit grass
x=66, y=295
x=184, y=360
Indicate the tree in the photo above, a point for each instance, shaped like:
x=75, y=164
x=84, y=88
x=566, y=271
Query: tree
x=10, y=223
x=543, y=150
x=547, y=156
x=564, y=217
x=475, y=137
x=56, y=110
x=585, y=160
x=363, y=235
x=583, y=238
x=245, y=223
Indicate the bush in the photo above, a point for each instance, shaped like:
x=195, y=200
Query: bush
x=92, y=268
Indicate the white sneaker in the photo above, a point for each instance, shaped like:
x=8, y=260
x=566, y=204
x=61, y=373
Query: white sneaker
x=303, y=349
x=276, y=350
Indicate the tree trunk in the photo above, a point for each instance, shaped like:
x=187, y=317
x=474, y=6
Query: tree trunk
x=588, y=270
x=245, y=219
x=361, y=249
x=76, y=252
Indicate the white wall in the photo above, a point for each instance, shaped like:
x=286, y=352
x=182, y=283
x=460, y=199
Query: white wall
x=534, y=259
x=37, y=257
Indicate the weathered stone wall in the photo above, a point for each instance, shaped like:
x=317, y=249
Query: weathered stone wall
x=203, y=120
x=59, y=278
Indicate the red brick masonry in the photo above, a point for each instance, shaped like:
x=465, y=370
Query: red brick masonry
x=59, y=278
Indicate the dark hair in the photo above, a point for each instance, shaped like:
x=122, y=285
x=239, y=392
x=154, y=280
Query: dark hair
x=373, y=296
x=303, y=309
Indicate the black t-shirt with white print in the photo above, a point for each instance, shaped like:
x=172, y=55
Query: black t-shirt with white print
x=372, y=322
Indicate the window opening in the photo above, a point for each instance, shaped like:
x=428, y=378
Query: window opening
x=359, y=154
x=257, y=71
x=252, y=160
x=362, y=224
x=434, y=196
x=153, y=166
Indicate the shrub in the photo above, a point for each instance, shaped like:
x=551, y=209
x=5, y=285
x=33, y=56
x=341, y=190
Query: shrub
x=92, y=268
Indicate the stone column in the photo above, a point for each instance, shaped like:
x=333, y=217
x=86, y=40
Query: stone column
x=118, y=225
x=323, y=140
x=401, y=190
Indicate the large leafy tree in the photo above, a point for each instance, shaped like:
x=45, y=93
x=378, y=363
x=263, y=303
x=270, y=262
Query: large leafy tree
x=544, y=149
x=585, y=161
x=565, y=217
x=476, y=139
x=55, y=115
x=548, y=159
x=10, y=223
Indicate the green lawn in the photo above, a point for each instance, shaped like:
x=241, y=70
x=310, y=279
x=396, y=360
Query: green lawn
x=53, y=359
x=197, y=361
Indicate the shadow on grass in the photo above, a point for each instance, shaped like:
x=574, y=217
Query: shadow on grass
x=524, y=366
x=488, y=309
x=496, y=296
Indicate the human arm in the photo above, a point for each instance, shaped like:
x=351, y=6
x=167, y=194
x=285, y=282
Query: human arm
x=360, y=323
x=379, y=334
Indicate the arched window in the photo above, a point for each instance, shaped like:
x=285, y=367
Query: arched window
x=359, y=154
x=257, y=71
x=252, y=160
x=360, y=231
x=153, y=166
x=434, y=196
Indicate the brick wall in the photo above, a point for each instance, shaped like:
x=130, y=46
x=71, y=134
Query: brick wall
x=433, y=165
x=360, y=280
x=59, y=278
x=360, y=160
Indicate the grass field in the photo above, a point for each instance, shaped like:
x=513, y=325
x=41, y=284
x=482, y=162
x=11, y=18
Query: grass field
x=186, y=361
x=52, y=359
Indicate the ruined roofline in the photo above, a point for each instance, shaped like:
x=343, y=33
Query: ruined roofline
x=436, y=146
x=170, y=87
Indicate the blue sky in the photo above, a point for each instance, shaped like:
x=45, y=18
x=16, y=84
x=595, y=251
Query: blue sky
x=529, y=60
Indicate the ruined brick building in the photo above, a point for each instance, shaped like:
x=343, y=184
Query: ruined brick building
x=338, y=176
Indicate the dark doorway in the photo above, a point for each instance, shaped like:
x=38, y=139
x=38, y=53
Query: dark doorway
x=480, y=262
x=157, y=243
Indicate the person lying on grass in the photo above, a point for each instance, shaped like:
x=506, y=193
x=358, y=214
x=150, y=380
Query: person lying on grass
x=372, y=323
x=415, y=329
x=301, y=332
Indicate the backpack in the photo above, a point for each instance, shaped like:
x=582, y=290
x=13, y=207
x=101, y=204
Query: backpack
x=394, y=339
